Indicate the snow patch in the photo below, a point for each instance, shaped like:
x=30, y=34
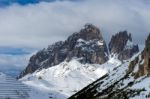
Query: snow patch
x=100, y=43
x=129, y=45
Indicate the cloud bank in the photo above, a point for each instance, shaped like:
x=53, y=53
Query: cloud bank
x=14, y=60
x=13, y=64
x=38, y=25
x=35, y=26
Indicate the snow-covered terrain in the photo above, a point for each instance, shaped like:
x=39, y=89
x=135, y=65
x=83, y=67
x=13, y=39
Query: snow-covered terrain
x=129, y=45
x=66, y=67
x=10, y=88
x=140, y=88
x=65, y=79
x=118, y=84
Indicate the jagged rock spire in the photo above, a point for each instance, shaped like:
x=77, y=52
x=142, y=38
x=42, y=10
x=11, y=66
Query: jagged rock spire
x=122, y=45
x=146, y=56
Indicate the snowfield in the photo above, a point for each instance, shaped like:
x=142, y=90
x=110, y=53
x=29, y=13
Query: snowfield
x=10, y=88
x=118, y=82
x=65, y=79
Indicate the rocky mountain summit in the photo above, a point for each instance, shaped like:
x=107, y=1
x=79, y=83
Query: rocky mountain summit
x=87, y=44
x=121, y=44
x=128, y=81
x=68, y=66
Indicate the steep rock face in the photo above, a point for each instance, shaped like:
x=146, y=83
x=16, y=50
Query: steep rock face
x=88, y=45
x=118, y=84
x=147, y=57
x=144, y=61
x=122, y=45
x=128, y=81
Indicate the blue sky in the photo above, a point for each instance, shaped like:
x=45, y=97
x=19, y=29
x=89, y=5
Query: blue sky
x=13, y=60
x=13, y=51
x=22, y=2
x=31, y=25
x=25, y=2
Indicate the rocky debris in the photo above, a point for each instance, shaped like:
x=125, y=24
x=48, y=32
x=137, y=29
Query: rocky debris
x=121, y=44
x=87, y=44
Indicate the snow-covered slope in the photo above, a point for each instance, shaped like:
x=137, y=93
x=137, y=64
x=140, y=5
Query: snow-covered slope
x=10, y=88
x=67, y=66
x=120, y=83
x=67, y=78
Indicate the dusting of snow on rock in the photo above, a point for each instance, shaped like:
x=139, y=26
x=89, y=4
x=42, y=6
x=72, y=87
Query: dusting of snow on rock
x=129, y=45
x=100, y=43
x=81, y=40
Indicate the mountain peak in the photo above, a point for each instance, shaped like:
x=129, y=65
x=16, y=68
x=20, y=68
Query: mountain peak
x=122, y=45
x=122, y=82
x=91, y=28
x=88, y=45
x=90, y=32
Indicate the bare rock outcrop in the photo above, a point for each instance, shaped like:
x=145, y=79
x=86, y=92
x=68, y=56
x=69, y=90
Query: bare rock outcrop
x=121, y=44
x=144, y=62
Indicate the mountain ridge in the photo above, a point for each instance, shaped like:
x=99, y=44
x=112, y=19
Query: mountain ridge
x=128, y=81
x=66, y=67
x=87, y=44
x=121, y=44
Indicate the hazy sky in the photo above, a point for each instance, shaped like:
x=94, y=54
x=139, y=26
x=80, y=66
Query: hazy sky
x=32, y=26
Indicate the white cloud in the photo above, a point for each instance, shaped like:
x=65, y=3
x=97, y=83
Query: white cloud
x=11, y=61
x=38, y=25
x=11, y=64
x=14, y=64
